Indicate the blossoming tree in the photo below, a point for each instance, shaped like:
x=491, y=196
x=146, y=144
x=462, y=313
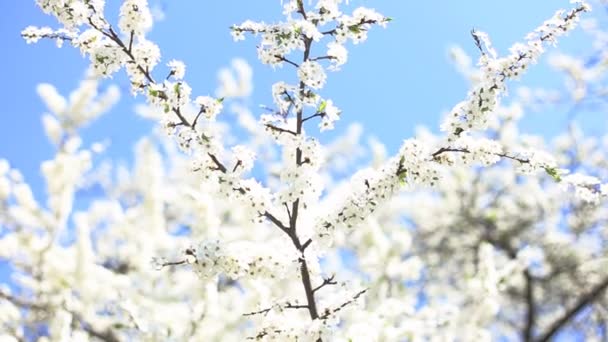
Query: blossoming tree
x=200, y=245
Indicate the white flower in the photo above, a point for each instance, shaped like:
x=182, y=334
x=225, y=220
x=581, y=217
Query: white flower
x=106, y=60
x=209, y=106
x=309, y=29
x=146, y=53
x=338, y=53
x=237, y=35
x=135, y=17
x=282, y=94
x=244, y=156
x=312, y=74
x=52, y=128
x=178, y=94
x=178, y=69
x=332, y=114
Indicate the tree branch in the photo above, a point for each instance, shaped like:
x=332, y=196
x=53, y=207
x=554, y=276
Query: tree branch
x=326, y=281
x=282, y=58
x=531, y=308
x=280, y=130
x=106, y=335
x=328, y=312
x=276, y=222
x=310, y=295
x=321, y=114
x=464, y=150
x=581, y=303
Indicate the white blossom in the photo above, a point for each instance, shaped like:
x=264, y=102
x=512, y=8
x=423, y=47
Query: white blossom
x=178, y=69
x=135, y=17
x=209, y=106
x=312, y=74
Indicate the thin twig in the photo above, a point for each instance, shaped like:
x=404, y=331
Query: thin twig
x=326, y=281
x=328, y=312
x=281, y=130
x=321, y=114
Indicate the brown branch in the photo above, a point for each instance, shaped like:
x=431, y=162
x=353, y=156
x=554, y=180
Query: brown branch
x=106, y=335
x=322, y=57
x=282, y=58
x=310, y=295
x=581, y=303
x=301, y=9
x=112, y=35
x=530, y=308
x=321, y=114
x=51, y=36
x=288, y=211
x=328, y=312
x=326, y=281
x=253, y=313
x=276, y=222
x=172, y=263
x=281, y=130
x=306, y=244
x=291, y=230
x=132, y=35
x=198, y=115
x=219, y=165
x=236, y=165
x=464, y=150
x=267, y=310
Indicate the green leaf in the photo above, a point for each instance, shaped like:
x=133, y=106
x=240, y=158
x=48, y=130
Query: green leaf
x=322, y=106
x=354, y=29
x=403, y=174
x=554, y=173
x=492, y=216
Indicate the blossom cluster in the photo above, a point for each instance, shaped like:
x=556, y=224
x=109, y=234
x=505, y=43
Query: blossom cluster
x=370, y=188
x=473, y=113
x=280, y=40
x=237, y=259
x=109, y=51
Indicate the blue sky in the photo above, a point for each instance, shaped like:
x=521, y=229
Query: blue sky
x=396, y=80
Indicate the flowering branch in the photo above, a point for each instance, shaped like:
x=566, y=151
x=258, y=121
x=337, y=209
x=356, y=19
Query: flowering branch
x=328, y=312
